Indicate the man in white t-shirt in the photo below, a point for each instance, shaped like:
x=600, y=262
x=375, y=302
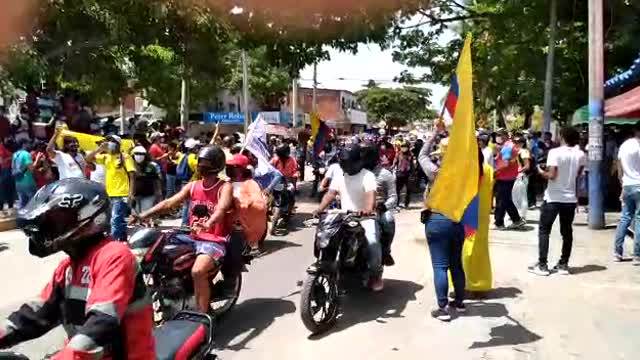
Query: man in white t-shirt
x=332, y=172
x=69, y=162
x=357, y=189
x=564, y=165
x=629, y=172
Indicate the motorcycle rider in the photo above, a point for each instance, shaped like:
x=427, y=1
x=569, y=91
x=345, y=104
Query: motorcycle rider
x=286, y=164
x=288, y=167
x=386, y=200
x=96, y=293
x=357, y=190
x=210, y=231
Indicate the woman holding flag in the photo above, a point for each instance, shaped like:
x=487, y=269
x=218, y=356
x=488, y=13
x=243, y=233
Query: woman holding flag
x=455, y=203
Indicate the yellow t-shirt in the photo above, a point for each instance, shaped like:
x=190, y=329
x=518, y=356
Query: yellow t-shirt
x=193, y=164
x=117, y=168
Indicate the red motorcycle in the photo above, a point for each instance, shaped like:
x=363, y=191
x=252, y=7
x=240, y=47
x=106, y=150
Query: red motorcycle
x=189, y=335
x=167, y=271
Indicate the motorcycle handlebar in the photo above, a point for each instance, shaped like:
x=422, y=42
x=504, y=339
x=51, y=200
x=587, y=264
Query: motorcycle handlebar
x=10, y=355
x=356, y=214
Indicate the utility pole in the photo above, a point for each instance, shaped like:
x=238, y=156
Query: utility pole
x=315, y=86
x=596, y=113
x=245, y=91
x=551, y=58
x=122, y=116
x=184, y=103
x=294, y=103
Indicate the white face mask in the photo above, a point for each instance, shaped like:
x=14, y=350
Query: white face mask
x=138, y=158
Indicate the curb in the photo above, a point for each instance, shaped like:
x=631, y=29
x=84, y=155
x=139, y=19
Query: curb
x=7, y=224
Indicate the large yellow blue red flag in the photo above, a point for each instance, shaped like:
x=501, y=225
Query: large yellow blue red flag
x=455, y=191
x=319, y=133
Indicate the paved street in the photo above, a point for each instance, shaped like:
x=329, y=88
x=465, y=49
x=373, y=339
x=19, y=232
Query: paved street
x=593, y=314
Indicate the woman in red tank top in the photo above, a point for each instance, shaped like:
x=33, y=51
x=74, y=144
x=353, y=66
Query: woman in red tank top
x=206, y=199
x=211, y=200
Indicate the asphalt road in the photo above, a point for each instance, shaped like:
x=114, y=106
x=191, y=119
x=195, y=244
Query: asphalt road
x=592, y=314
x=264, y=322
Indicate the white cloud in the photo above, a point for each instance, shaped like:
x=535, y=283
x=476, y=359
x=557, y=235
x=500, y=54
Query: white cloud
x=352, y=71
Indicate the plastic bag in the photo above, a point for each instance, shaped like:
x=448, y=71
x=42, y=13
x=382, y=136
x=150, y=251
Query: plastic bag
x=519, y=195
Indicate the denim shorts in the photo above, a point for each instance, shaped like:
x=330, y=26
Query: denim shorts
x=215, y=250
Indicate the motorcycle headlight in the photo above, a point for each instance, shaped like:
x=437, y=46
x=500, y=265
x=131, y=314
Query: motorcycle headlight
x=322, y=239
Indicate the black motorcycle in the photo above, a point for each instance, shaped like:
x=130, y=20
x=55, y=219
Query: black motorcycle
x=282, y=205
x=189, y=335
x=167, y=271
x=340, y=249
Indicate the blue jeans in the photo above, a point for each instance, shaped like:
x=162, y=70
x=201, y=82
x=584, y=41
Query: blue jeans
x=170, y=185
x=119, y=213
x=387, y=230
x=7, y=189
x=24, y=195
x=630, y=211
x=374, y=250
x=185, y=209
x=445, y=239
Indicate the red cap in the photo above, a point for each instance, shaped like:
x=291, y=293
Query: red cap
x=239, y=160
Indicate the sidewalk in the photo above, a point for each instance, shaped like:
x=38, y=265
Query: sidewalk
x=591, y=314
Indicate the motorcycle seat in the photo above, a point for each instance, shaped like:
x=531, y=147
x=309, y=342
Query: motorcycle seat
x=179, y=339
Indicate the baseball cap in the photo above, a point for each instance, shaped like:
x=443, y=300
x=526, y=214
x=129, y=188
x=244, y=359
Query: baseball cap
x=139, y=150
x=155, y=136
x=114, y=138
x=239, y=160
x=191, y=143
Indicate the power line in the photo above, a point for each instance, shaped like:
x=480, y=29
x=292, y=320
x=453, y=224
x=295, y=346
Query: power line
x=363, y=80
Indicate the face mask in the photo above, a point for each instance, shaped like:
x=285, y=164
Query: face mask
x=112, y=147
x=139, y=158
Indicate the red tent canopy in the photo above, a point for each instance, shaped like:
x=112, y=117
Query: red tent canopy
x=625, y=105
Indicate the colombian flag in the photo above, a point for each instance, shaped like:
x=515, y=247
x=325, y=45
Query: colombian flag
x=455, y=191
x=319, y=134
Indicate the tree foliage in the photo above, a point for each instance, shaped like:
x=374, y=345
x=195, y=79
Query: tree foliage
x=98, y=45
x=396, y=107
x=510, y=45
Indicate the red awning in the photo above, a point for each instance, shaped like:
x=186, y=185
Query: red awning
x=625, y=105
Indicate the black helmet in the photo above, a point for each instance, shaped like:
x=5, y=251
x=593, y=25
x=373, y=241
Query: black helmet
x=370, y=157
x=283, y=151
x=216, y=158
x=351, y=160
x=64, y=215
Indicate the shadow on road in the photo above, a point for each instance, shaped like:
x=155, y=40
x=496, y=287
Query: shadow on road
x=252, y=316
x=587, y=269
x=271, y=246
x=361, y=305
x=525, y=228
x=511, y=333
x=498, y=293
x=297, y=221
x=4, y=246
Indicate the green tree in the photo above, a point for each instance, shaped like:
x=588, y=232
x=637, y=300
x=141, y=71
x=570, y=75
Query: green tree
x=396, y=107
x=510, y=40
x=268, y=83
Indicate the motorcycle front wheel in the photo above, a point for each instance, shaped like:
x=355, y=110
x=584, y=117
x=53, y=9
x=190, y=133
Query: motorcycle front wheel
x=225, y=295
x=319, y=302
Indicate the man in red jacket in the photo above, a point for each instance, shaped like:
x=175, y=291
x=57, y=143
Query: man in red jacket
x=96, y=293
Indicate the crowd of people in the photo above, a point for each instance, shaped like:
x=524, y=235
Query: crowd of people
x=215, y=183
